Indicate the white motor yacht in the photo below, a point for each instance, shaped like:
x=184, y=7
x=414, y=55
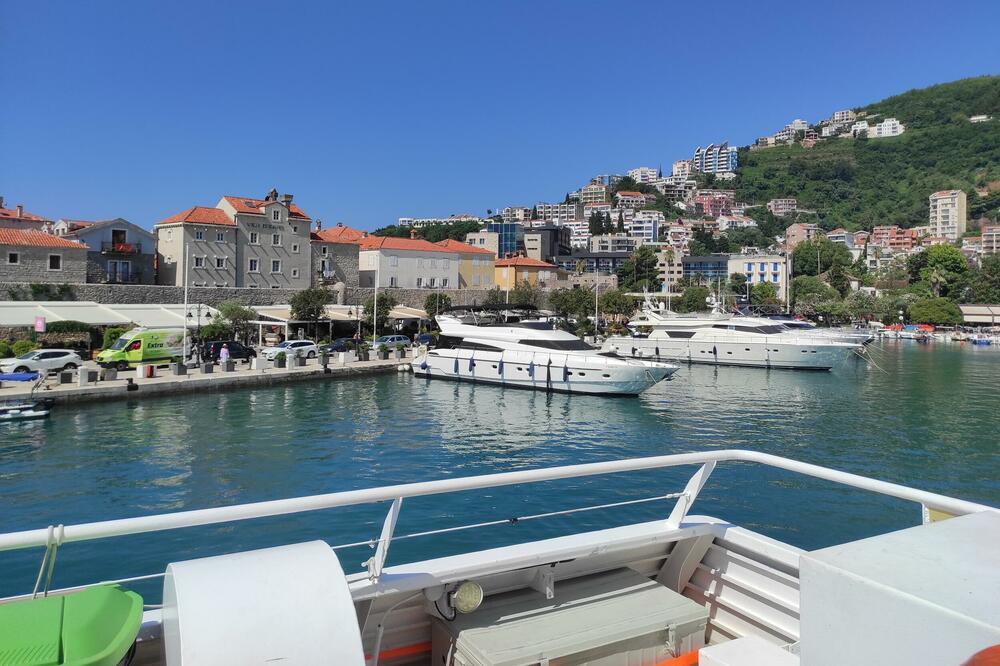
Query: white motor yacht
x=531, y=353
x=720, y=338
x=676, y=590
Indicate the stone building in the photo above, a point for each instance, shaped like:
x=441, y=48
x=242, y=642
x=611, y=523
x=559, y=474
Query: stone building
x=18, y=218
x=119, y=252
x=37, y=257
x=335, y=255
x=242, y=242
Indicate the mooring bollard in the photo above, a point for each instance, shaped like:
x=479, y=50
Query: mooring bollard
x=65, y=377
x=131, y=385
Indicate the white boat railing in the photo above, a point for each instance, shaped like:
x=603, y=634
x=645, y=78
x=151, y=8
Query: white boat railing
x=62, y=534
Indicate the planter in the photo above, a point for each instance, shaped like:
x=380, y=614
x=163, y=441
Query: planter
x=178, y=369
x=324, y=359
x=65, y=377
x=110, y=374
x=86, y=377
x=228, y=365
x=299, y=362
x=207, y=368
x=384, y=356
x=364, y=355
x=258, y=363
x=398, y=353
x=346, y=357
x=280, y=362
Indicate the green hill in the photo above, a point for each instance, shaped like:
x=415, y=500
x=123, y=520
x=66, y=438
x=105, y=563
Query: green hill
x=859, y=183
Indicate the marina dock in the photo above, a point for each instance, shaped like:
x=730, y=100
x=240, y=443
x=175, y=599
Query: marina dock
x=129, y=387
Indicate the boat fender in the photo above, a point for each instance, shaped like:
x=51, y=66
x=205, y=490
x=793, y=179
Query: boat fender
x=500, y=367
x=423, y=363
x=472, y=364
x=456, y=366
x=565, y=373
x=531, y=369
x=657, y=350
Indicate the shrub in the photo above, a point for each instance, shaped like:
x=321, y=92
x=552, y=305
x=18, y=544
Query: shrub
x=280, y=356
x=4, y=349
x=400, y=346
x=22, y=347
x=382, y=349
x=111, y=335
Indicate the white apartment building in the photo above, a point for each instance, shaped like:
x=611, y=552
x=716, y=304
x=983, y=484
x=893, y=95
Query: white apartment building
x=845, y=116
x=861, y=126
x=948, y=214
x=409, y=263
x=888, y=127
x=832, y=130
x=645, y=225
x=614, y=243
x=784, y=135
x=669, y=267
x=643, y=174
x=681, y=169
x=981, y=118
x=991, y=239
x=798, y=125
x=596, y=207
x=715, y=158
x=762, y=269
x=727, y=222
x=516, y=214
x=559, y=212
x=593, y=193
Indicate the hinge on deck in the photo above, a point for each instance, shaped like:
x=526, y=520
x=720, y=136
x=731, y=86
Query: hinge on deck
x=375, y=563
x=544, y=581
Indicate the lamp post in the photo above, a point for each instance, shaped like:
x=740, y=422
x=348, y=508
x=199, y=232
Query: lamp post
x=184, y=344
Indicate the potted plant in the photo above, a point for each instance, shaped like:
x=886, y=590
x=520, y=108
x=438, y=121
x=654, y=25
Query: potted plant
x=383, y=352
x=363, y=351
x=298, y=360
x=400, y=350
x=279, y=359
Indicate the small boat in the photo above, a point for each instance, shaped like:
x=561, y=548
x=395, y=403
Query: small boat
x=25, y=408
x=980, y=339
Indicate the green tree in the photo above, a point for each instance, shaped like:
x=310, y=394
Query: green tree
x=236, y=317
x=309, y=304
x=938, y=311
x=693, y=300
x=436, y=302
x=525, y=293
x=738, y=283
x=981, y=285
x=616, y=302
x=829, y=254
x=838, y=279
x=860, y=305
x=494, y=297
x=640, y=271
x=764, y=294
x=111, y=335
x=377, y=319
x=809, y=285
x=571, y=301
x=22, y=346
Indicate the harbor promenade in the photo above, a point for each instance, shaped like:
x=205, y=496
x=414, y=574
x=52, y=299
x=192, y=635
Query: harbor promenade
x=130, y=387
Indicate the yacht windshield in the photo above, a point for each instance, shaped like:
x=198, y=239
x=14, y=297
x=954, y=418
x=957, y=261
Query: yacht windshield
x=559, y=345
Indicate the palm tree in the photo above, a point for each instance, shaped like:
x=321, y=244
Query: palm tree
x=937, y=277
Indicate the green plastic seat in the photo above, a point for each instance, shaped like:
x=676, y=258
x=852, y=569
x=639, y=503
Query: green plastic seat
x=92, y=627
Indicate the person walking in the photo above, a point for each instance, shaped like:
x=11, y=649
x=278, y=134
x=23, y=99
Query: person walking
x=224, y=354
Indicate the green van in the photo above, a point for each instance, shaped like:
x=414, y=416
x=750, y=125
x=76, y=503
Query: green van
x=144, y=345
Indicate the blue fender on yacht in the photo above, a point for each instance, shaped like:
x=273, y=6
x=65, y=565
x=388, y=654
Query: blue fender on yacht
x=456, y=365
x=531, y=369
x=472, y=364
x=500, y=366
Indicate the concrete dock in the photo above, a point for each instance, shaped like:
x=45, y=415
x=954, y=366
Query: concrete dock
x=165, y=383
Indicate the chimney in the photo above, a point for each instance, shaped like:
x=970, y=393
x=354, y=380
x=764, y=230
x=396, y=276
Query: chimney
x=286, y=199
x=1, y=202
x=20, y=210
x=319, y=225
x=413, y=234
x=364, y=234
x=340, y=224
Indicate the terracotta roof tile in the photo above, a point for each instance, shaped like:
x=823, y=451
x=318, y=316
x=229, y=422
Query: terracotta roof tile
x=393, y=243
x=459, y=246
x=525, y=262
x=629, y=194
x=248, y=205
x=338, y=234
x=11, y=214
x=34, y=238
x=200, y=215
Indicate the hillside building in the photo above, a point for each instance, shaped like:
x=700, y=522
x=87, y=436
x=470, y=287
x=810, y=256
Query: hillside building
x=715, y=158
x=948, y=214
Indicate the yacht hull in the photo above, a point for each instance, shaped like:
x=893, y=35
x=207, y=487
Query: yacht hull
x=556, y=373
x=755, y=354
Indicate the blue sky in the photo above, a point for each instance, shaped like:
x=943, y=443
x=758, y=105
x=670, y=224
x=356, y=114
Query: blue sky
x=370, y=111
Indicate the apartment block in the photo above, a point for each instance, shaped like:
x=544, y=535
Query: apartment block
x=594, y=193
x=634, y=200
x=516, y=215
x=681, y=169
x=892, y=238
x=644, y=174
x=782, y=207
x=614, y=243
x=727, y=222
x=714, y=203
x=707, y=269
x=411, y=263
x=489, y=240
x=242, y=242
x=118, y=252
x=559, y=212
x=888, y=127
x=510, y=237
x=845, y=116
x=948, y=214
x=799, y=233
x=715, y=158
x=645, y=225
x=420, y=222
x=592, y=262
x=762, y=269
x=545, y=242
x=991, y=239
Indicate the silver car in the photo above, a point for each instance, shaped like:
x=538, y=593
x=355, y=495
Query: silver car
x=42, y=360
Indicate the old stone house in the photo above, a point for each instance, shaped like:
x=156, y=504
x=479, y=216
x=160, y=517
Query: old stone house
x=38, y=257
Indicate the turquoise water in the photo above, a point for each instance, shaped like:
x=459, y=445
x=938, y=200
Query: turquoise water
x=926, y=417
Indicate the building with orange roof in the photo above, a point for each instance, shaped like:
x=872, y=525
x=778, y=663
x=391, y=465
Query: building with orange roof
x=514, y=270
x=335, y=254
x=29, y=255
x=241, y=242
x=18, y=218
x=475, y=265
x=411, y=263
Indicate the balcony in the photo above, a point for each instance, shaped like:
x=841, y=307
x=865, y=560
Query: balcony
x=123, y=277
x=121, y=248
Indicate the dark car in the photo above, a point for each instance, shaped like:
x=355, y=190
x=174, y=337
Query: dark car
x=237, y=351
x=338, y=345
x=424, y=339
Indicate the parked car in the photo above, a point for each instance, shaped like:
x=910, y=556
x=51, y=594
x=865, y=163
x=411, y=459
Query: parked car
x=425, y=339
x=305, y=348
x=237, y=351
x=338, y=345
x=42, y=360
x=391, y=340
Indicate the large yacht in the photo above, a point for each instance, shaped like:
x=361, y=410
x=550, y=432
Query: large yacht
x=672, y=588
x=509, y=349
x=721, y=338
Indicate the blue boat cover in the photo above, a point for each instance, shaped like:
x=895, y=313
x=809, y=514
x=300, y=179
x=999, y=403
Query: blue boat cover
x=19, y=377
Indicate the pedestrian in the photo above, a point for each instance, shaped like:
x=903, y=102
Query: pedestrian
x=224, y=354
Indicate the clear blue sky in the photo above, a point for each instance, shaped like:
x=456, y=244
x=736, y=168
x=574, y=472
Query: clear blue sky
x=370, y=111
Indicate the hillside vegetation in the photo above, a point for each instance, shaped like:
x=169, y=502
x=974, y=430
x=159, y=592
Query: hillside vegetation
x=859, y=183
